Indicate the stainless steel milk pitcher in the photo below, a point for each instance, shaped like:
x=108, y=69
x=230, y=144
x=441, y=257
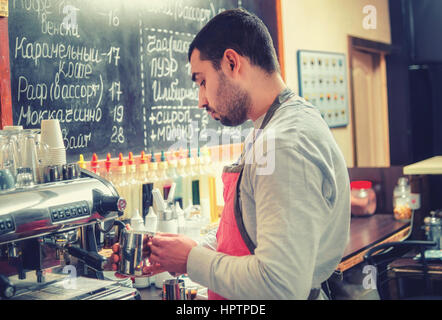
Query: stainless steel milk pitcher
x=132, y=251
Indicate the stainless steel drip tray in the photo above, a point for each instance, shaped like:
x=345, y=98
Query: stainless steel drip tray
x=79, y=288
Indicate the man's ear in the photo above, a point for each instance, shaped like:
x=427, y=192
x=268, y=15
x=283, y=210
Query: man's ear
x=232, y=61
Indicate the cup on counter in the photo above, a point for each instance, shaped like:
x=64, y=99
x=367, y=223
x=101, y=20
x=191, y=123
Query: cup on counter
x=51, y=133
x=53, y=173
x=52, y=137
x=174, y=289
x=71, y=171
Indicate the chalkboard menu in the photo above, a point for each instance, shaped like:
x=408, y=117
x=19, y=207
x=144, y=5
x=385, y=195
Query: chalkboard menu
x=115, y=73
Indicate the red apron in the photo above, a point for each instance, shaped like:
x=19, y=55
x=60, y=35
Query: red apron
x=232, y=237
x=229, y=239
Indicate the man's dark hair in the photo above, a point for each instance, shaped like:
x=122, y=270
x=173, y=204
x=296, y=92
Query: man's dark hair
x=241, y=31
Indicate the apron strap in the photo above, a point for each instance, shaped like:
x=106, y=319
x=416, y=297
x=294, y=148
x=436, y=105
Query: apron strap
x=239, y=220
x=284, y=96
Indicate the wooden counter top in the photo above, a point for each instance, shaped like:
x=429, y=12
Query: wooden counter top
x=366, y=232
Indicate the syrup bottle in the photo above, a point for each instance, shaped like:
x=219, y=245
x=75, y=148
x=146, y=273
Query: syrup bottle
x=122, y=186
x=94, y=164
x=108, y=169
x=134, y=186
x=211, y=174
x=163, y=178
x=188, y=181
x=147, y=183
x=153, y=168
x=175, y=177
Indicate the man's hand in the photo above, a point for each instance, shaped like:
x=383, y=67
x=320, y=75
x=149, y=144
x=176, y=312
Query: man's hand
x=169, y=252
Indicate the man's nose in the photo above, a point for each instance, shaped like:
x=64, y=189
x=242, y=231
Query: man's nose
x=202, y=100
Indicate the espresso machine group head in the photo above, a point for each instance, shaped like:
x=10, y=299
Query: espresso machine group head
x=54, y=224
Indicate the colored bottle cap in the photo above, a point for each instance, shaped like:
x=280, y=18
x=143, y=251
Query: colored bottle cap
x=361, y=185
x=153, y=165
x=143, y=162
x=163, y=164
x=108, y=162
x=143, y=158
x=152, y=157
x=81, y=162
x=94, y=162
x=121, y=166
x=120, y=160
x=131, y=163
x=131, y=159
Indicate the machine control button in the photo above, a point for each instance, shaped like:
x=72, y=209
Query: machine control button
x=2, y=225
x=9, y=224
x=71, y=211
x=54, y=214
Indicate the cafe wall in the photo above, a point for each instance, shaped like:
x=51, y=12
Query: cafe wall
x=324, y=25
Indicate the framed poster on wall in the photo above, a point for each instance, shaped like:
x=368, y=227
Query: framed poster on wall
x=323, y=82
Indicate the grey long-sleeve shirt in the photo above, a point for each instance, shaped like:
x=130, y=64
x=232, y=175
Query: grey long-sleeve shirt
x=295, y=199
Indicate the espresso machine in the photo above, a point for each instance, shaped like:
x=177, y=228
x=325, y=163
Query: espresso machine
x=50, y=238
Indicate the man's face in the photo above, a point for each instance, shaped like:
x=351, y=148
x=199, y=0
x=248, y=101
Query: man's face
x=224, y=100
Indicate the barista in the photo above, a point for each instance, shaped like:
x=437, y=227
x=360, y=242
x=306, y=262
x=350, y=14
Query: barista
x=286, y=219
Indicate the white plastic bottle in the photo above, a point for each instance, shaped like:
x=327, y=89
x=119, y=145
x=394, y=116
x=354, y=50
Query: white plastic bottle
x=134, y=186
x=180, y=218
x=136, y=222
x=151, y=221
x=146, y=186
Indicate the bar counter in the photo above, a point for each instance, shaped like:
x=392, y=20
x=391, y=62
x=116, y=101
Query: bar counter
x=365, y=232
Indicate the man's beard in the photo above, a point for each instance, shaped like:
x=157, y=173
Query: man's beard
x=234, y=103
